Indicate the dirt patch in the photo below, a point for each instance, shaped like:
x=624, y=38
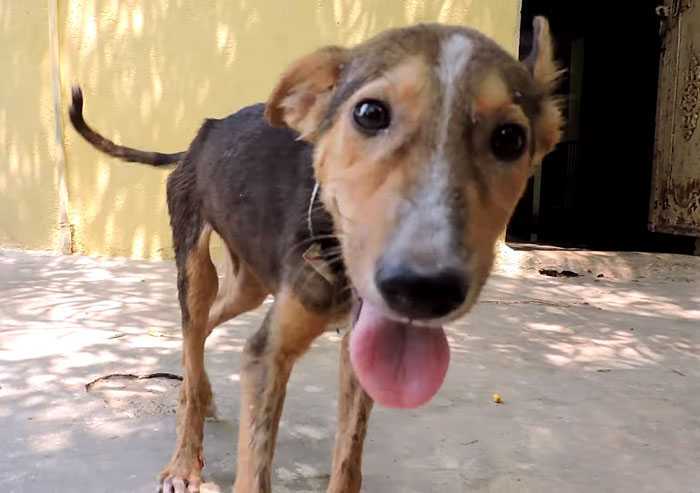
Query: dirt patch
x=138, y=395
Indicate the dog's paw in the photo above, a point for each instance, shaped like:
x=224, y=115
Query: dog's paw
x=174, y=484
x=181, y=477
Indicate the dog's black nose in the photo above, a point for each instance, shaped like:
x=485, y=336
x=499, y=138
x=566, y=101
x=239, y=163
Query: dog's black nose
x=421, y=295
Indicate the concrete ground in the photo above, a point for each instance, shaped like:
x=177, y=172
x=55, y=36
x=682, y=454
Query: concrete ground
x=600, y=378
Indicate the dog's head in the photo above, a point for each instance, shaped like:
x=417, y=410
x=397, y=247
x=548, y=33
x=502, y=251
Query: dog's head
x=424, y=141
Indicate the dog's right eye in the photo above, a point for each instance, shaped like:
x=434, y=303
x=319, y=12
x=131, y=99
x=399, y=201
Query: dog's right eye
x=371, y=116
x=508, y=142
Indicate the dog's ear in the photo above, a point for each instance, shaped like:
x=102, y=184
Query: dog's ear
x=540, y=61
x=546, y=72
x=303, y=93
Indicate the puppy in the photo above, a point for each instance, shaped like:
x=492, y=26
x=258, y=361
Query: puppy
x=372, y=186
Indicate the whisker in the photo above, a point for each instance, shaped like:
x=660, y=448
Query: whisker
x=334, y=261
x=332, y=252
x=313, y=239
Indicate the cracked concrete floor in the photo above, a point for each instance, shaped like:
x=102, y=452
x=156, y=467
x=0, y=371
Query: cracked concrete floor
x=600, y=379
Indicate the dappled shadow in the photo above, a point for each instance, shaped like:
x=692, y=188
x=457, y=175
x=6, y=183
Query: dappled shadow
x=599, y=380
x=618, y=266
x=65, y=321
x=625, y=310
x=28, y=173
x=595, y=375
x=590, y=324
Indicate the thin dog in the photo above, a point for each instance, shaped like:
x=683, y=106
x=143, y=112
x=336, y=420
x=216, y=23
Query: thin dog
x=370, y=189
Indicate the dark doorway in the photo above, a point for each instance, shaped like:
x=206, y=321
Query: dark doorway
x=594, y=190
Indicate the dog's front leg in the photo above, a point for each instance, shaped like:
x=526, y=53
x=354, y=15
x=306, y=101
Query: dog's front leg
x=354, y=407
x=286, y=333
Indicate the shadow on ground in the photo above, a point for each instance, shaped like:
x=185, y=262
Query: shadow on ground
x=599, y=376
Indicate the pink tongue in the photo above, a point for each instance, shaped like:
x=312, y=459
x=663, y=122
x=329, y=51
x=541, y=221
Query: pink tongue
x=399, y=365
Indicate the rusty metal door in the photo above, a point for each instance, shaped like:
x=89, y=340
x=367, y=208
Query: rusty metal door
x=675, y=201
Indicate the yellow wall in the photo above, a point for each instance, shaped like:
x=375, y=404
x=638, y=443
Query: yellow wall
x=28, y=179
x=152, y=70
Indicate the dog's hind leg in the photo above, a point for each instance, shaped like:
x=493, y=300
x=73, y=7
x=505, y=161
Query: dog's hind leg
x=268, y=357
x=354, y=407
x=197, y=287
x=239, y=291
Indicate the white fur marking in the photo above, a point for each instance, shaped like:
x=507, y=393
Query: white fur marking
x=428, y=226
x=455, y=53
x=425, y=233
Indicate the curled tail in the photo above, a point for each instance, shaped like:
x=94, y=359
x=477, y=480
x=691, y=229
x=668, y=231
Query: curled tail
x=107, y=146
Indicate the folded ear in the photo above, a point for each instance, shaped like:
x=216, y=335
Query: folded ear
x=541, y=61
x=302, y=95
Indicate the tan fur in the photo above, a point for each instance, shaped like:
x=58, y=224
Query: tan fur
x=239, y=292
x=196, y=397
x=549, y=129
x=360, y=177
x=546, y=72
x=267, y=362
x=354, y=407
x=304, y=89
x=493, y=93
x=364, y=176
x=490, y=208
x=544, y=68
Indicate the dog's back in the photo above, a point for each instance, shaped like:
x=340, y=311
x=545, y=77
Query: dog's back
x=253, y=183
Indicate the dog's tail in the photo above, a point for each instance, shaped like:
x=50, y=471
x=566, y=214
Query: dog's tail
x=107, y=146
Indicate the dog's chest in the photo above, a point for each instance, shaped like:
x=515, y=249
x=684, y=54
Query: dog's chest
x=319, y=278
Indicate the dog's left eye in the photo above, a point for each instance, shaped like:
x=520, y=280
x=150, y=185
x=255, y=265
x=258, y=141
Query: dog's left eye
x=508, y=142
x=371, y=116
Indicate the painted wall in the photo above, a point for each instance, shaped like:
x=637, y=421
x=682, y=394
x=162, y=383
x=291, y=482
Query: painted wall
x=151, y=71
x=28, y=155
